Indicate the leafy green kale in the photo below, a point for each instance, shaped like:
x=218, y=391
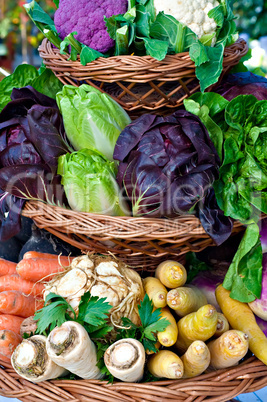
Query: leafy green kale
x=151, y=323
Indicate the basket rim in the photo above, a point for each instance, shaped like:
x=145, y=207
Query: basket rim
x=216, y=386
x=139, y=63
x=126, y=227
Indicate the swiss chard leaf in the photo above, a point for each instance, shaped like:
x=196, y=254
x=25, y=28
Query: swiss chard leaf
x=243, y=278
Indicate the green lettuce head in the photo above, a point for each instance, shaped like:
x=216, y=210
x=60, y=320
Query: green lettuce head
x=89, y=181
x=92, y=119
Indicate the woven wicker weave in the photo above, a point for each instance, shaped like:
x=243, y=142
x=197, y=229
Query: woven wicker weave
x=218, y=386
x=141, y=242
x=138, y=83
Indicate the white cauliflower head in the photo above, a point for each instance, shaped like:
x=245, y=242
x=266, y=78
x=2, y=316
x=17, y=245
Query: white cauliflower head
x=192, y=13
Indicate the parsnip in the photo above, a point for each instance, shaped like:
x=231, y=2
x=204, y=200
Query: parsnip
x=241, y=317
x=165, y=364
x=30, y=361
x=222, y=325
x=200, y=325
x=168, y=337
x=155, y=291
x=125, y=359
x=196, y=359
x=171, y=273
x=186, y=299
x=70, y=347
x=228, y=349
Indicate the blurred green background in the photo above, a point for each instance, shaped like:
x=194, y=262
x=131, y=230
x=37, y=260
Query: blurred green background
x=19, y=38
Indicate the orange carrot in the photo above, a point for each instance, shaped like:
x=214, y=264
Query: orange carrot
x=37, y=254
x=35, y=269
x=10, y=322
x=9, y=340
x=7, y=267
x=16, y=303
x=15, y=282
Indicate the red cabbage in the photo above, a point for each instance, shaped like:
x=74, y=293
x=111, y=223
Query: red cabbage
x=245, y=83
x=167, y=166
x=32, y=137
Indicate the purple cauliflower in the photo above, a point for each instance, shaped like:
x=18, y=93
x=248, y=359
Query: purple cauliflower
x=86, y=17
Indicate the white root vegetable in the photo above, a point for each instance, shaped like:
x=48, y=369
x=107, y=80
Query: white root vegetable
x=70, y=347
x=104, y=277
x=125, y=359
x=30, y=361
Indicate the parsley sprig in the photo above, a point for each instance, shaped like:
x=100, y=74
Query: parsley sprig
x=93, y=314
x=151, y=323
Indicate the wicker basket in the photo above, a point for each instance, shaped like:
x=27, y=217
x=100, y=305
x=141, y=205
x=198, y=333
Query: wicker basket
x=138, y=83
x=218, y=386
x=142, y=243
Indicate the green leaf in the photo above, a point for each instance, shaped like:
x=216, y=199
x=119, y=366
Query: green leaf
x=150, y=345
x=198, y=53
x=145, y=309
x=215, y=133
x=153, y=328
x=100, y=332
x=54, y=313
x=22, y=76
x=47, y=83
x=142, y=21
x=113, y=23
x=88, y=54
x=92, y=310
x=56, y=3
x=217, y=14
x=39, y=17
x=209, y=72
x=178, y=36
x=243, y=278
x=156, y=48
x=238, y=110
x=215, y=102
x=194, y=266
x=122, y=40
x=207, y=39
